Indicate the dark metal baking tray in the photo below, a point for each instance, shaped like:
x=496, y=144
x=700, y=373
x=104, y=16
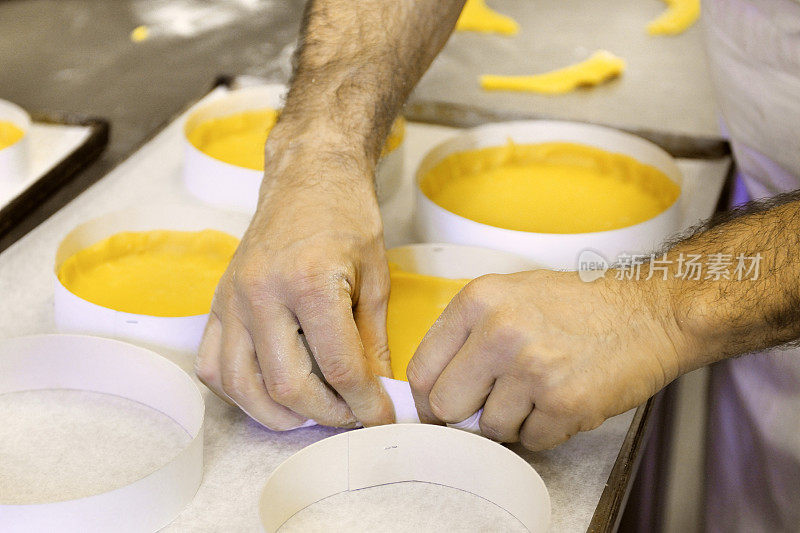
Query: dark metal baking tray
x=15, y=212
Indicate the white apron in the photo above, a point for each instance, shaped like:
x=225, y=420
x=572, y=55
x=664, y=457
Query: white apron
x=753, y=443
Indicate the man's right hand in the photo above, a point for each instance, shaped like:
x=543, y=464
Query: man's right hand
x=312, y=259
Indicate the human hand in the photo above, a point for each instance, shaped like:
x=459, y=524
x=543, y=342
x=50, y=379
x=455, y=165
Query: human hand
x=546, y=355
x=312, y=258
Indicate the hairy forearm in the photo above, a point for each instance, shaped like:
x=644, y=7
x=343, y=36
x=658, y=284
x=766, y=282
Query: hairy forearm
x=741, y=311
x=355, y=66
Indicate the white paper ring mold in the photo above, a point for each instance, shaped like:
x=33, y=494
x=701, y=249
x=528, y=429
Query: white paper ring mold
x=14, y=159
x=75, y=315
x=225, y=185
x=381, y=455
x=433, y=223
x=106, y=366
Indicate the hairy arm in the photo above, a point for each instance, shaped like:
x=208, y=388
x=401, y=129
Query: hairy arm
x=747, y=310
x=356, y=64
x=547, y=355
x=313, y=258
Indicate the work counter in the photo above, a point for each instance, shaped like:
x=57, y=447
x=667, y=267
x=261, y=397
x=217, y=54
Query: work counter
x=96, y=69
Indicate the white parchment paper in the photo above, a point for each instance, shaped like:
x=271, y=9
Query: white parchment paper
x=240, y=454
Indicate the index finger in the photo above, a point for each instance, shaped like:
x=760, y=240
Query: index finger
x=441, y=343
x=287, y=368
x=333, y=338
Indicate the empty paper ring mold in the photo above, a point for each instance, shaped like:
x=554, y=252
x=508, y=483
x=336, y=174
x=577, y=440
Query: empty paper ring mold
x=73, y=314
x=561, y=251
x=380, y=455
x=46, y=362
x=445, y=261
x=14, y=158
x=230, y=186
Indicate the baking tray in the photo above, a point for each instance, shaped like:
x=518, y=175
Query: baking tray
x=88, y=137
x=588, y=477
x=699, y=148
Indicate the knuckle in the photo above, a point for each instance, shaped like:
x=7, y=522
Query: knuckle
x=205, y=372
x=533, y=442
x=529, y=366
x=252, y=287
x=221, y=292
x=307, y=277
x=494, y=428
x=545, y=437
x=558, y=438
x=440, y=406
x=374, y=304
x=592, y=421
x=571, y=403
x=315, y=287
x=492, y=282
x=559, y=441
x=504, y=331
x=547, y=363
x=417, y=376
x=283, y=391
x=381, y=353
x=472, y=293
x=378, y=287
x=256, y=279
x=235, y=385
x=250, y=279
x=480, y=293
x=341, y=375
x=486, y=285
x=383, y=288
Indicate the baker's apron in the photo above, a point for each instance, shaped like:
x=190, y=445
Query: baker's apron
x=753, y=443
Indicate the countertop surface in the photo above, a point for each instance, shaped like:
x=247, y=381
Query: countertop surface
x=239, y=454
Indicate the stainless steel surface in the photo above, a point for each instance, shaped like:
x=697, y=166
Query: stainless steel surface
x=77, y=56
x=666, y=86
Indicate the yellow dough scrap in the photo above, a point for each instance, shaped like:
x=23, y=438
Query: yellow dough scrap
x=395, y=137
x=140, y=34
x=156, y=273
x=477, y=16
x=677, y=18
x=549, y=188
x=239, y=139
x=415, y=302
x=9, y=134
x=598, y=68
